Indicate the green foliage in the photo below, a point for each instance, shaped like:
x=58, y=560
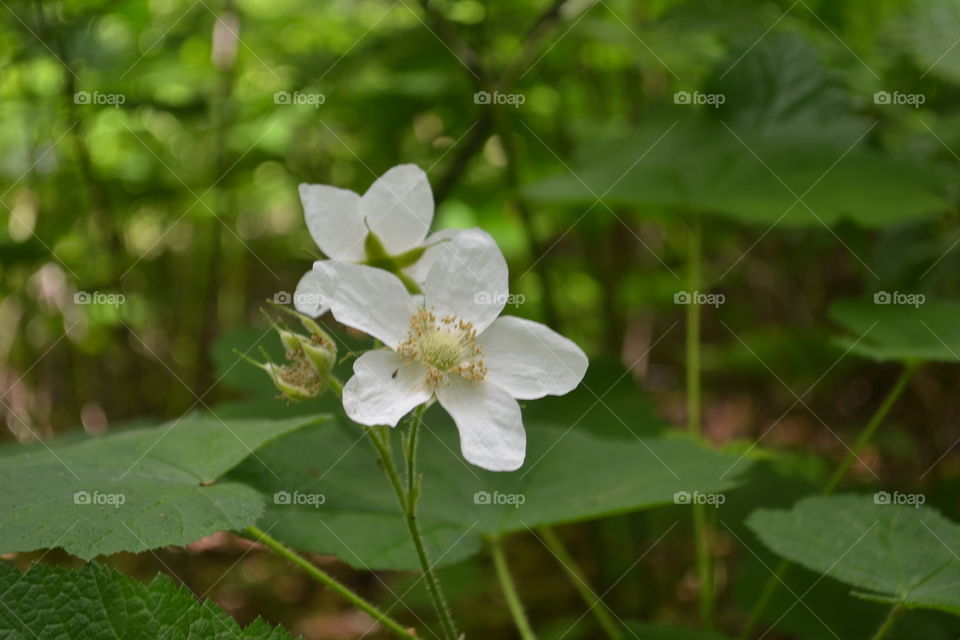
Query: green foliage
x=893, y=553
x=98, y=602
x=134, y=490
x=924, y=331
x=570, y=475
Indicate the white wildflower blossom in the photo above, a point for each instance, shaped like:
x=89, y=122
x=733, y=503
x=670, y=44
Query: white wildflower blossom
x=450, y=345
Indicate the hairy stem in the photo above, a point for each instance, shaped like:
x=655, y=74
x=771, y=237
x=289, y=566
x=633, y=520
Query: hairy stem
x=510, y=590
x=577, y=578
x=408, y=506
x=321, y=576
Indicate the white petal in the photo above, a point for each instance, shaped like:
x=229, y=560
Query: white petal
x=375, y=396
x=309, y=298
x=489, y=422
x=530, y=360
x=335, y=221
x=398, y=207
x=366, y=298
x=468, y=279
x=434, y=243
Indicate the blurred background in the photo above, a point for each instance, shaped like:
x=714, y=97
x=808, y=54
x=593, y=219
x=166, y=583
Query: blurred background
x=151, y=153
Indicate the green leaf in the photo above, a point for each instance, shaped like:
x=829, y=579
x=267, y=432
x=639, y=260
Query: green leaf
x=783, y=149
x=570, y=475
x=892, y=553
x=99, y=602
x=924, y=331
x=134, y=490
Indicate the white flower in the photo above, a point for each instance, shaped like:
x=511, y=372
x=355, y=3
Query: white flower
x=385, y=227
x=453, y=348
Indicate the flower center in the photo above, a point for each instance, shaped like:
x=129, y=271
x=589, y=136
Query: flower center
x=441, y=350
x=447, y=347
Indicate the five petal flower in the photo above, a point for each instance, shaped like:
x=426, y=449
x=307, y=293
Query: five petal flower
x=449, y=345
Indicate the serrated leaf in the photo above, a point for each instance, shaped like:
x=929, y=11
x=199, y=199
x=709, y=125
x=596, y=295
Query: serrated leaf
x=895, y=330
x=48, y=603
x=892, y=553
x=134, y=490
x=570, y=475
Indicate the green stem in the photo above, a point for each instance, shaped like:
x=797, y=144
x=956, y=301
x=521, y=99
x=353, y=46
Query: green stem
x=865, y=436
x=408, y=507
x=875, y=421
x=510, y=590
x=321, y=576
x=701, y=529
x=577, y=578
x=891, y=619
x=693, y=326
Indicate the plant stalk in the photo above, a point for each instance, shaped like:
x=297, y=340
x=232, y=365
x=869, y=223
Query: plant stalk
x=408, y=506
x=322, y=576
x=865, y=436
x=569, y=565
x=510, y=590
x=701, y=532
x=888, y=623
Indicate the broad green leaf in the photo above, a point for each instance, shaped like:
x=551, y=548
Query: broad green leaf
x=895, y=326
x=48, y=603
x=570, y=474
x=892, y=553
x=134, y=490
x=929, y=33
x=783, y=149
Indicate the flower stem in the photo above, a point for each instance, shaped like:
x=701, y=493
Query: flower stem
x=408, y=506
x=866, y=434
x=569, y=565
x=510, y=590
x=322, y=576
x=701, y=530
x=888, y=623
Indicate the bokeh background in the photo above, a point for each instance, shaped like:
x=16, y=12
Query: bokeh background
x=151, y=153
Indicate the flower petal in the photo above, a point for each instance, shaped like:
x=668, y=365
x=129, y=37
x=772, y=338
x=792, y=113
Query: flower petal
x=434, y=243
x=366, y=298
x=398, y=207
x=375, y=396
x=335, y=221
x=530, y=360
x=489, y=422
x=309, y=298
x=468, y=279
